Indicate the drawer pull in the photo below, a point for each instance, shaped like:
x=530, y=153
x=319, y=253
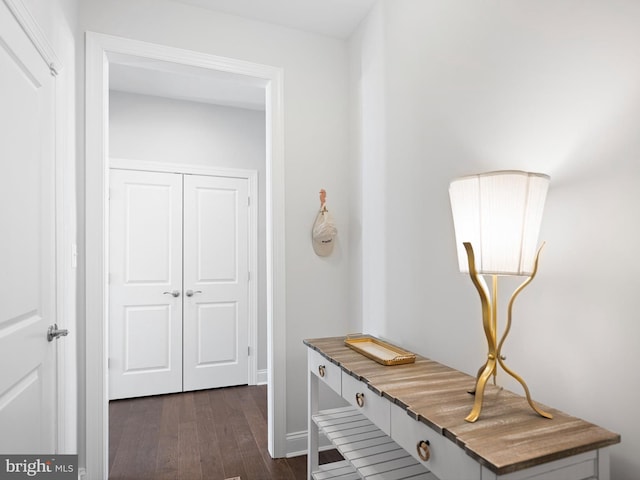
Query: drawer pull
x=321, y=370
x=360, y=399
x=423, y=450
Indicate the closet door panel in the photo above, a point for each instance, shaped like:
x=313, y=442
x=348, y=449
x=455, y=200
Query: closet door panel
x=215, y=281
x=145, y=318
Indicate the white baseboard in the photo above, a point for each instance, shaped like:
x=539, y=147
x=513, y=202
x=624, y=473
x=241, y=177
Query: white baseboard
x=297, y=444
x=262, y=377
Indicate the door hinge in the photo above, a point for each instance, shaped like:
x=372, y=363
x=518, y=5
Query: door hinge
x=248, y=351
x=248, y=201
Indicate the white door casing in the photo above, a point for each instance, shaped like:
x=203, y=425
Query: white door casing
x=28, y=394
x=216, y=277
x=145, y=277
x=100, y=51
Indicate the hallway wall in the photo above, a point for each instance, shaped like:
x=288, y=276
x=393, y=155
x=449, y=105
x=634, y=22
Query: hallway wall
x=467, y=87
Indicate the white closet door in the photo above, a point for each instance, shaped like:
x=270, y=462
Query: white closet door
x=27, y=245
x=145, y=341
x=215, y=282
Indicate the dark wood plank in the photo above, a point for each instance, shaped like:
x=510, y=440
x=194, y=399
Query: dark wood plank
x=208, y=442
x=226, y=418
x=248, y=448
x=256, y=424
x=168, y=453
x=131, y=433
x=259, y=394
x=189, y=454
x=147, y=450
x=118, y=415
x=210, y=434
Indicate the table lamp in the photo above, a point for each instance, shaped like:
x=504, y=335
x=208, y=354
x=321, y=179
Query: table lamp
x=497, y=218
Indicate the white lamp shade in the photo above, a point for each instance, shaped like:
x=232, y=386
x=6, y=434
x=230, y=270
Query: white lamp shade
x=499, y=213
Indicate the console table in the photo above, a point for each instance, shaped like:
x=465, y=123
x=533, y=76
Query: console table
x=407, y=421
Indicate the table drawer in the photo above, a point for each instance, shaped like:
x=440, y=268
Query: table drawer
x=328, y=372
x=578, y=467
x=446, y=460
x=373, y=406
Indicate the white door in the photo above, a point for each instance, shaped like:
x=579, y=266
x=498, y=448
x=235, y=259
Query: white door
x=216, y=276
x=145, y=281
x=27, y=246
x=178, y=283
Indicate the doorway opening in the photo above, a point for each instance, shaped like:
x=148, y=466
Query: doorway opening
x=183, y=302
x=102, y=53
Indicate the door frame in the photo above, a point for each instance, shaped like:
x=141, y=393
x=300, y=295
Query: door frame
x=211, y=171
x=101, y=50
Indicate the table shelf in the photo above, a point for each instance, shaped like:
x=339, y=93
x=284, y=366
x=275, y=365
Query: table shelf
x=369, y=453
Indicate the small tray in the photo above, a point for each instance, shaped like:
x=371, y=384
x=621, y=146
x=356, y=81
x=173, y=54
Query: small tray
x=380, y=351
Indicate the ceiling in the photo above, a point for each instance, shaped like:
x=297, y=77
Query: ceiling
x=334, y=18
x=179, y=82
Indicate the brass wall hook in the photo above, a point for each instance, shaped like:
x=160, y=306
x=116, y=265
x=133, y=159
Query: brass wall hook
x=323, y=200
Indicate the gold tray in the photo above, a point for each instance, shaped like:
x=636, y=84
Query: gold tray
x=380, y=351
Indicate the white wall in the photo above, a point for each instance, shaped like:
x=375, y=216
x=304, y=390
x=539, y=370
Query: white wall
x=544, y=86
x=440, y=89
x=368, y=231
x=316, y=149
x=143, y=127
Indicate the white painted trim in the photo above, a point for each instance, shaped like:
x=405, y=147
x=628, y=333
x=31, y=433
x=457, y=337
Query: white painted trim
x=604, y=464
x=66, y=272
x=253, y=277
x=297, y=443
x=168, y=167
x=252, y=178
x=261, y=377
x=24, y=17
x=99, y=50
x=96, y=144
x=276, y=281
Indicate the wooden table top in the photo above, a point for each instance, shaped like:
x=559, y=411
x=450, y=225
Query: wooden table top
x=508, y=436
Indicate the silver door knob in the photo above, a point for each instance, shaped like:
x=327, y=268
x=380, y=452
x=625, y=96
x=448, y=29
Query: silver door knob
x=55, y=332
x=174, y=293
x=191, y=293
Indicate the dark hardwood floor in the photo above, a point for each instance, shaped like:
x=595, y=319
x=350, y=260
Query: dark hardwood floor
x=209, y=435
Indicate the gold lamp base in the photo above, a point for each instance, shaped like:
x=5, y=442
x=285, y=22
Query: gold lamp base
x=489, y=322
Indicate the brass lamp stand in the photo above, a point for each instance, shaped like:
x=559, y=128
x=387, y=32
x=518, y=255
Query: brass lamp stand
x=489, y=322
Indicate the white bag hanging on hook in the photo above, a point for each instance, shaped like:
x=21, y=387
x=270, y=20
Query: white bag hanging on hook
x=323, y=233
x=324, y=229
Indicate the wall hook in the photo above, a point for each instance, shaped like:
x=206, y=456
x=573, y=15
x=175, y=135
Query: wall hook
x=323, y=200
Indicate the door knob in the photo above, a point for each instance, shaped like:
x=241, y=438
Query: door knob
x=191, y=293
x=175, y=293
x=55, y=332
